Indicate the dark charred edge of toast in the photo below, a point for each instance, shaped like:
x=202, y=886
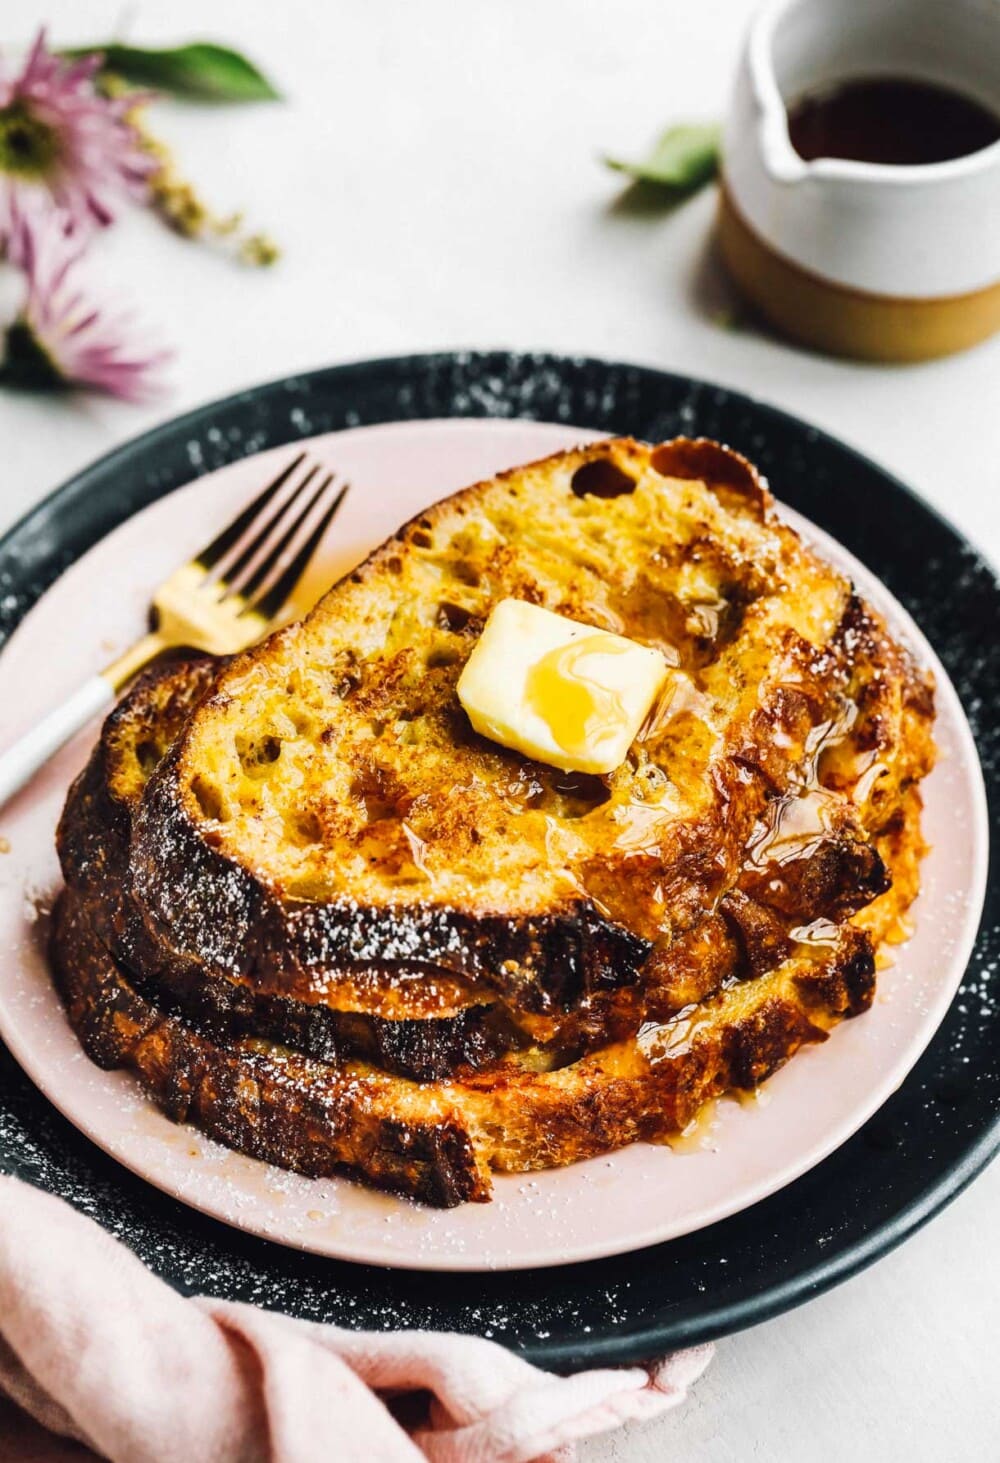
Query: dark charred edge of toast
x=208, y=908
x=208, y=911
x=94, y=828
x=93, y=849
x=203, y=906
x=546, y=1129
x=93, y=839
x=842, y=876
x=317, y=1120
x=242, y=1103
x=847, y=987
x=425, y=1049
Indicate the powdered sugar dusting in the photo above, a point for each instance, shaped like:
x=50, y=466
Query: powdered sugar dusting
x=942, y=1112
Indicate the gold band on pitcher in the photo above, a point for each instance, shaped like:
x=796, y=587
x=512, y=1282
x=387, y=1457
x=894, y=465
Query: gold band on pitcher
x=844, y=321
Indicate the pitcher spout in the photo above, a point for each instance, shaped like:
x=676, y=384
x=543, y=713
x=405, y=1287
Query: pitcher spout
x=780, y=160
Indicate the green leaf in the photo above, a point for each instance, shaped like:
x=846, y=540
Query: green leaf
x=201, y=69
x=683, y=159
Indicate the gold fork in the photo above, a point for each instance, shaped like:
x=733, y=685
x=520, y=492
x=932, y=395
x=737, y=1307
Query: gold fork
x=221, y=601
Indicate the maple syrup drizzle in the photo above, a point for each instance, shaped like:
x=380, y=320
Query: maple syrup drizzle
x=566, y=691
x=665, y=1040
x=701, y=1134
x=792, y=827
x=795, y=823
x=698, y=1135
x=822, y=932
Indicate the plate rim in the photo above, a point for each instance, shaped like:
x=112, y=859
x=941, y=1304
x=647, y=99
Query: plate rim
x=66, y=493
x=457, y=1252
x=971, y=1152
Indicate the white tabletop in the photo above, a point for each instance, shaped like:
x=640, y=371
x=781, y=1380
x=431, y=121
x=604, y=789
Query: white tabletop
x=434, y=181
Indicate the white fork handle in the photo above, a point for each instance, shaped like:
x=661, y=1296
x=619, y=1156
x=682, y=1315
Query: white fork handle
x=22, y=761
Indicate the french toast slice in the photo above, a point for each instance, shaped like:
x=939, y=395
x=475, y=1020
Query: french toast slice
x=426, y=1023
x=439, y=1142
x=329, y=924
x=419, y=1022
x=328, y=807
x=744, y=935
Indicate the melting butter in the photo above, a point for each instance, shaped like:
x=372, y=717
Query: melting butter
x=557, y=690
x=573, y=693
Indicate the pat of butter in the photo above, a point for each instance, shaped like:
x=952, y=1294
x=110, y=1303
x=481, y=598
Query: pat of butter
x=559, y=691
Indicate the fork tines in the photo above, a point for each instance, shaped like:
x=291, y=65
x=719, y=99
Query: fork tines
x=259, y=558
x=269, y=597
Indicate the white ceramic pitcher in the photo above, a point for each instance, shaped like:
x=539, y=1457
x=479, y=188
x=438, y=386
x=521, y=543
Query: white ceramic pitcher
x=882, y=261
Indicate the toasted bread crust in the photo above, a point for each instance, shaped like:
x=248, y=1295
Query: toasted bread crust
x=437, y=1142
x=246, y=1097
x=412, y=1021
x=207, y=899
x=327, y=923
x=440, y=1026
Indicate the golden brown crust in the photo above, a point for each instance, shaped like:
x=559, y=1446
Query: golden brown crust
x=325, y=921
x=329, y=806
x=291, y=1112
x=415, y=1020
x=438, y=1141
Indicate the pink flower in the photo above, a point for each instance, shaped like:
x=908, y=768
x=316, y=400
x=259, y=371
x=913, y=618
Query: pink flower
x=60, y=339
x=67, y=153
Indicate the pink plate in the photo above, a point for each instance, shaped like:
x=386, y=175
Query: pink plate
x=601, y=1207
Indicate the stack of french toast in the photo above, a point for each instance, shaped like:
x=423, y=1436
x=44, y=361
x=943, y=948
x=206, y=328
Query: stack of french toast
x=336, y=927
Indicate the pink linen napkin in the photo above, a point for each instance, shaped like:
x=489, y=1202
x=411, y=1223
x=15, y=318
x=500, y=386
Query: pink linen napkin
x=98, y=1356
